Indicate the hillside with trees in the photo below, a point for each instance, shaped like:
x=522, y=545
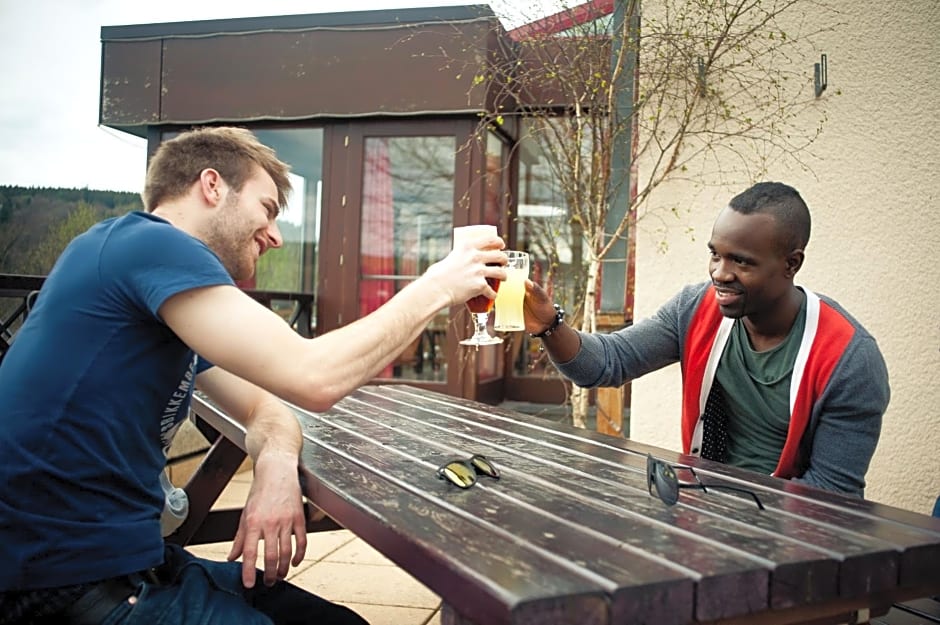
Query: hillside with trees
x=37, y=223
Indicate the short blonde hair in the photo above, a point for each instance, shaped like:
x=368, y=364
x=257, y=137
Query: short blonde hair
x=232, y=152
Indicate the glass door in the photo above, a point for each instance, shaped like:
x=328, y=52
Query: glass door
x=407, y=202
x=395, y=189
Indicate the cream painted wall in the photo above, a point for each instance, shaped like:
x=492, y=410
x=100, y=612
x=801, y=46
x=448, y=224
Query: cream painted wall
x=874, y=194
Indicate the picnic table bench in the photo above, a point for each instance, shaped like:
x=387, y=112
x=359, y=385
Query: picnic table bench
x=924, y=611
x=570, y=533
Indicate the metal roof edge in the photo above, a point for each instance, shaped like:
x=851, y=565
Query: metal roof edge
x=140, y=129
x=384, y=17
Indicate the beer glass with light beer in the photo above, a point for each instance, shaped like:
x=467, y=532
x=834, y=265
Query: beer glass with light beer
x=511, y=294
x=479, y=306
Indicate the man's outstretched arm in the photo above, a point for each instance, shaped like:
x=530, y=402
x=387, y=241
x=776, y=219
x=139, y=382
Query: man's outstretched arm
x=225, y=326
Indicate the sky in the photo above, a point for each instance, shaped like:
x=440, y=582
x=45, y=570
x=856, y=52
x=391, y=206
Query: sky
x=50, y=65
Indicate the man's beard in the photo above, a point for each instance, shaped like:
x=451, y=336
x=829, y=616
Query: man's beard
x=225, y=237
x=736, y=311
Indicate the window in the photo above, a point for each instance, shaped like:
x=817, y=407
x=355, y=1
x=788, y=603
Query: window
x=407, y=207
x=544, y=230
x=294, y=267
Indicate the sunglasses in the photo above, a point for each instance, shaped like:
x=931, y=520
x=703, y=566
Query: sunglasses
x=662, y=476
x=463, y=473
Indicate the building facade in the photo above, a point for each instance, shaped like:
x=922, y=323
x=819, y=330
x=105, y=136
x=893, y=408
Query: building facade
x=379, y=115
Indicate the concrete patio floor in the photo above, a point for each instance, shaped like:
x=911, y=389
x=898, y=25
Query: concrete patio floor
x=344, y=569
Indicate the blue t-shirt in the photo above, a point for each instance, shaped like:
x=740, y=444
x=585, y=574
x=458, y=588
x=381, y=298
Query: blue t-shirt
x=92, y=391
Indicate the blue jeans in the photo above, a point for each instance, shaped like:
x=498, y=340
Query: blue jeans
x=194, y=591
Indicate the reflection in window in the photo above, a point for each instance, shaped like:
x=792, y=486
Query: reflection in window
x=293, y=267
x=407, y=207
x=553, y=242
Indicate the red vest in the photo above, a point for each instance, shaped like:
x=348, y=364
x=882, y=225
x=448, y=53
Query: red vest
x=825, y=338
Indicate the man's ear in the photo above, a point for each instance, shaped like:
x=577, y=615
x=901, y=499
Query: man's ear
x=211, y=186
x=793, y=262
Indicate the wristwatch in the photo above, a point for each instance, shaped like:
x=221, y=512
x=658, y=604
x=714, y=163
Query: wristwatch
x=557, y=321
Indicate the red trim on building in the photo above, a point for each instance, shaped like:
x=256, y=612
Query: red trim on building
x=563, y=20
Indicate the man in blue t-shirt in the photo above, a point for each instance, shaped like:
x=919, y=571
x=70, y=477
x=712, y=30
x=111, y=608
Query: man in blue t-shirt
x=101, y=375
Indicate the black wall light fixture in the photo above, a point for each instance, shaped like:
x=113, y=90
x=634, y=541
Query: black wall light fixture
x=821, y=75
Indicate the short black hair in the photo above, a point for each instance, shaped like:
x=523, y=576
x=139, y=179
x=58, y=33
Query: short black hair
x=784, y=203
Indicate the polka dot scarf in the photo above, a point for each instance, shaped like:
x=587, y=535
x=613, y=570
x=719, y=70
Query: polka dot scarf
x=715, y=426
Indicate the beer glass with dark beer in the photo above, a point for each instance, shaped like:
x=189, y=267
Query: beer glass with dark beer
x=479, y=306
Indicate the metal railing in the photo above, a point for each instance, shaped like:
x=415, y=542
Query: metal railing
x=17, y=296
x=296, y=308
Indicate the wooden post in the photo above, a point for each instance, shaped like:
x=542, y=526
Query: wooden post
x=610, y=401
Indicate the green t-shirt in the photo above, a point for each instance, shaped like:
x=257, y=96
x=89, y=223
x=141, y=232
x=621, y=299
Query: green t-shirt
x=757, y=395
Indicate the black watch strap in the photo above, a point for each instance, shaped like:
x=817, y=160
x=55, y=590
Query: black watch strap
x=557, y=321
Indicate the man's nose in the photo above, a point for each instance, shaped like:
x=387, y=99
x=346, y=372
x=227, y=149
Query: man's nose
x=274, y=235
x=720, y=271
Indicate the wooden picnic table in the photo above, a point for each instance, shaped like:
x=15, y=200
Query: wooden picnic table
x=570, y=533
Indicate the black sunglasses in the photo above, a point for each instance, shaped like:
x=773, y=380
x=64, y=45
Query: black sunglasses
x=463, y=473
x=662, y=476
